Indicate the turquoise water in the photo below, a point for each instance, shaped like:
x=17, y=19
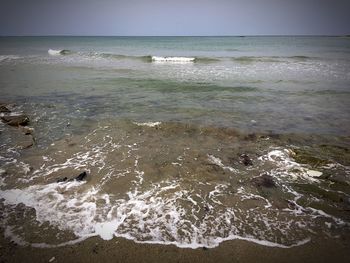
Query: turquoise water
x=189, y=141
x=280, y=84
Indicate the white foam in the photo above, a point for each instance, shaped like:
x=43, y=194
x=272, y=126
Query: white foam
x=173, y=59
x=148, y=124
x=5, y=58
x=287, y=167
x=154, y=213
x=145, y=217
x=54, y=52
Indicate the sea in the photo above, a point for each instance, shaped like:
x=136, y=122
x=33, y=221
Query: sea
x=185, y=141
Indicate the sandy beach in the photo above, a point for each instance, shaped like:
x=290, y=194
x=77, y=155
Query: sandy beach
x=122, y=250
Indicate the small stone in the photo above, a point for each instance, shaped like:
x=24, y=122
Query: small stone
x=81, y=176
x=246, y=160
x=52, y=259
x=4, y=109
x=62, y=180
x=314, y=173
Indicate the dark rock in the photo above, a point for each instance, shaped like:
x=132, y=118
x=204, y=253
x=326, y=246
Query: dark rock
x=81, y=176
x=62, y=180
x=4, y=109
x=246, y=160
x=264, y=181
x=205, y=248
x=95, y=249
x=20, y=120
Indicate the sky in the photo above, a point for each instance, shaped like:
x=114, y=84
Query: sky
x=174, y=17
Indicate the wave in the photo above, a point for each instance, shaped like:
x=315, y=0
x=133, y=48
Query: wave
x=173, y=59
x=4, y=58
x=54, y=52
x=183, y=59
x=149, y=58
x=249, y=59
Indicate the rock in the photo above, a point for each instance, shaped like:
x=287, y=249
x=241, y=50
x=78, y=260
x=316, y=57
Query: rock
x=264, y=181
x=246, y=160
x=4, y=109
x=306, y=157
x=81, y=176
x=52, y=259
x=20, y=120
x=314, y=173
x=319, y=192
x=62, y=180
x=25, y=141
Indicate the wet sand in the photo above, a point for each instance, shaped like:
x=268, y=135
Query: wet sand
x=122, y=250
x=171, y=161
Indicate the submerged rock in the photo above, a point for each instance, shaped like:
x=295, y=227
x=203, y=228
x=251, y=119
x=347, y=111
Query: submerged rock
x=264, y=181
x=60, y=180
x=244, y=158
x=4, y=109
x=319, y=192
x=20, y=120
x=305, y=157
x=81, y=176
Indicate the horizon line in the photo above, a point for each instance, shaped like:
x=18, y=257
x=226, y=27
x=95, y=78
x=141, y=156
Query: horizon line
x=251, y=35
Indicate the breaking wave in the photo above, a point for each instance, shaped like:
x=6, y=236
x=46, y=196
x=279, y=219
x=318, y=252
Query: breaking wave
x=54, y=52
x=173, y=59
x=6, y=58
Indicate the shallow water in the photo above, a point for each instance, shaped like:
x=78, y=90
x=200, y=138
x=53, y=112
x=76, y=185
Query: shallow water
x=164, y=142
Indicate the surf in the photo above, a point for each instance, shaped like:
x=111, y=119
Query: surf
x=173, y=59
x=54, y=52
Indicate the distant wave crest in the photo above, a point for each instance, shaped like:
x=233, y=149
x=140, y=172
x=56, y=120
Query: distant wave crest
x=54, y=52
x=173, y=59
x=5, y=58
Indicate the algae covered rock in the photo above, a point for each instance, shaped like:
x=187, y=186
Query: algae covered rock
x=20, y=120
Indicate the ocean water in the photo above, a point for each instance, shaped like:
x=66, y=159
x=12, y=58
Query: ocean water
x=189, y=141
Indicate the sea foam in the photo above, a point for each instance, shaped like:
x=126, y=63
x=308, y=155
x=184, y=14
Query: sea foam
x=54, y=52
x=173, y=59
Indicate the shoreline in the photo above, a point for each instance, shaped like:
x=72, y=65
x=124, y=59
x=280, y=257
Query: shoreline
x=122, y=250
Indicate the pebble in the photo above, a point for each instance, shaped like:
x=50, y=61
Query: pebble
x=314, y=173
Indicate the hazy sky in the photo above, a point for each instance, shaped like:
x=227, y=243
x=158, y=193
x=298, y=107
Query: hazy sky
x=174, y=17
